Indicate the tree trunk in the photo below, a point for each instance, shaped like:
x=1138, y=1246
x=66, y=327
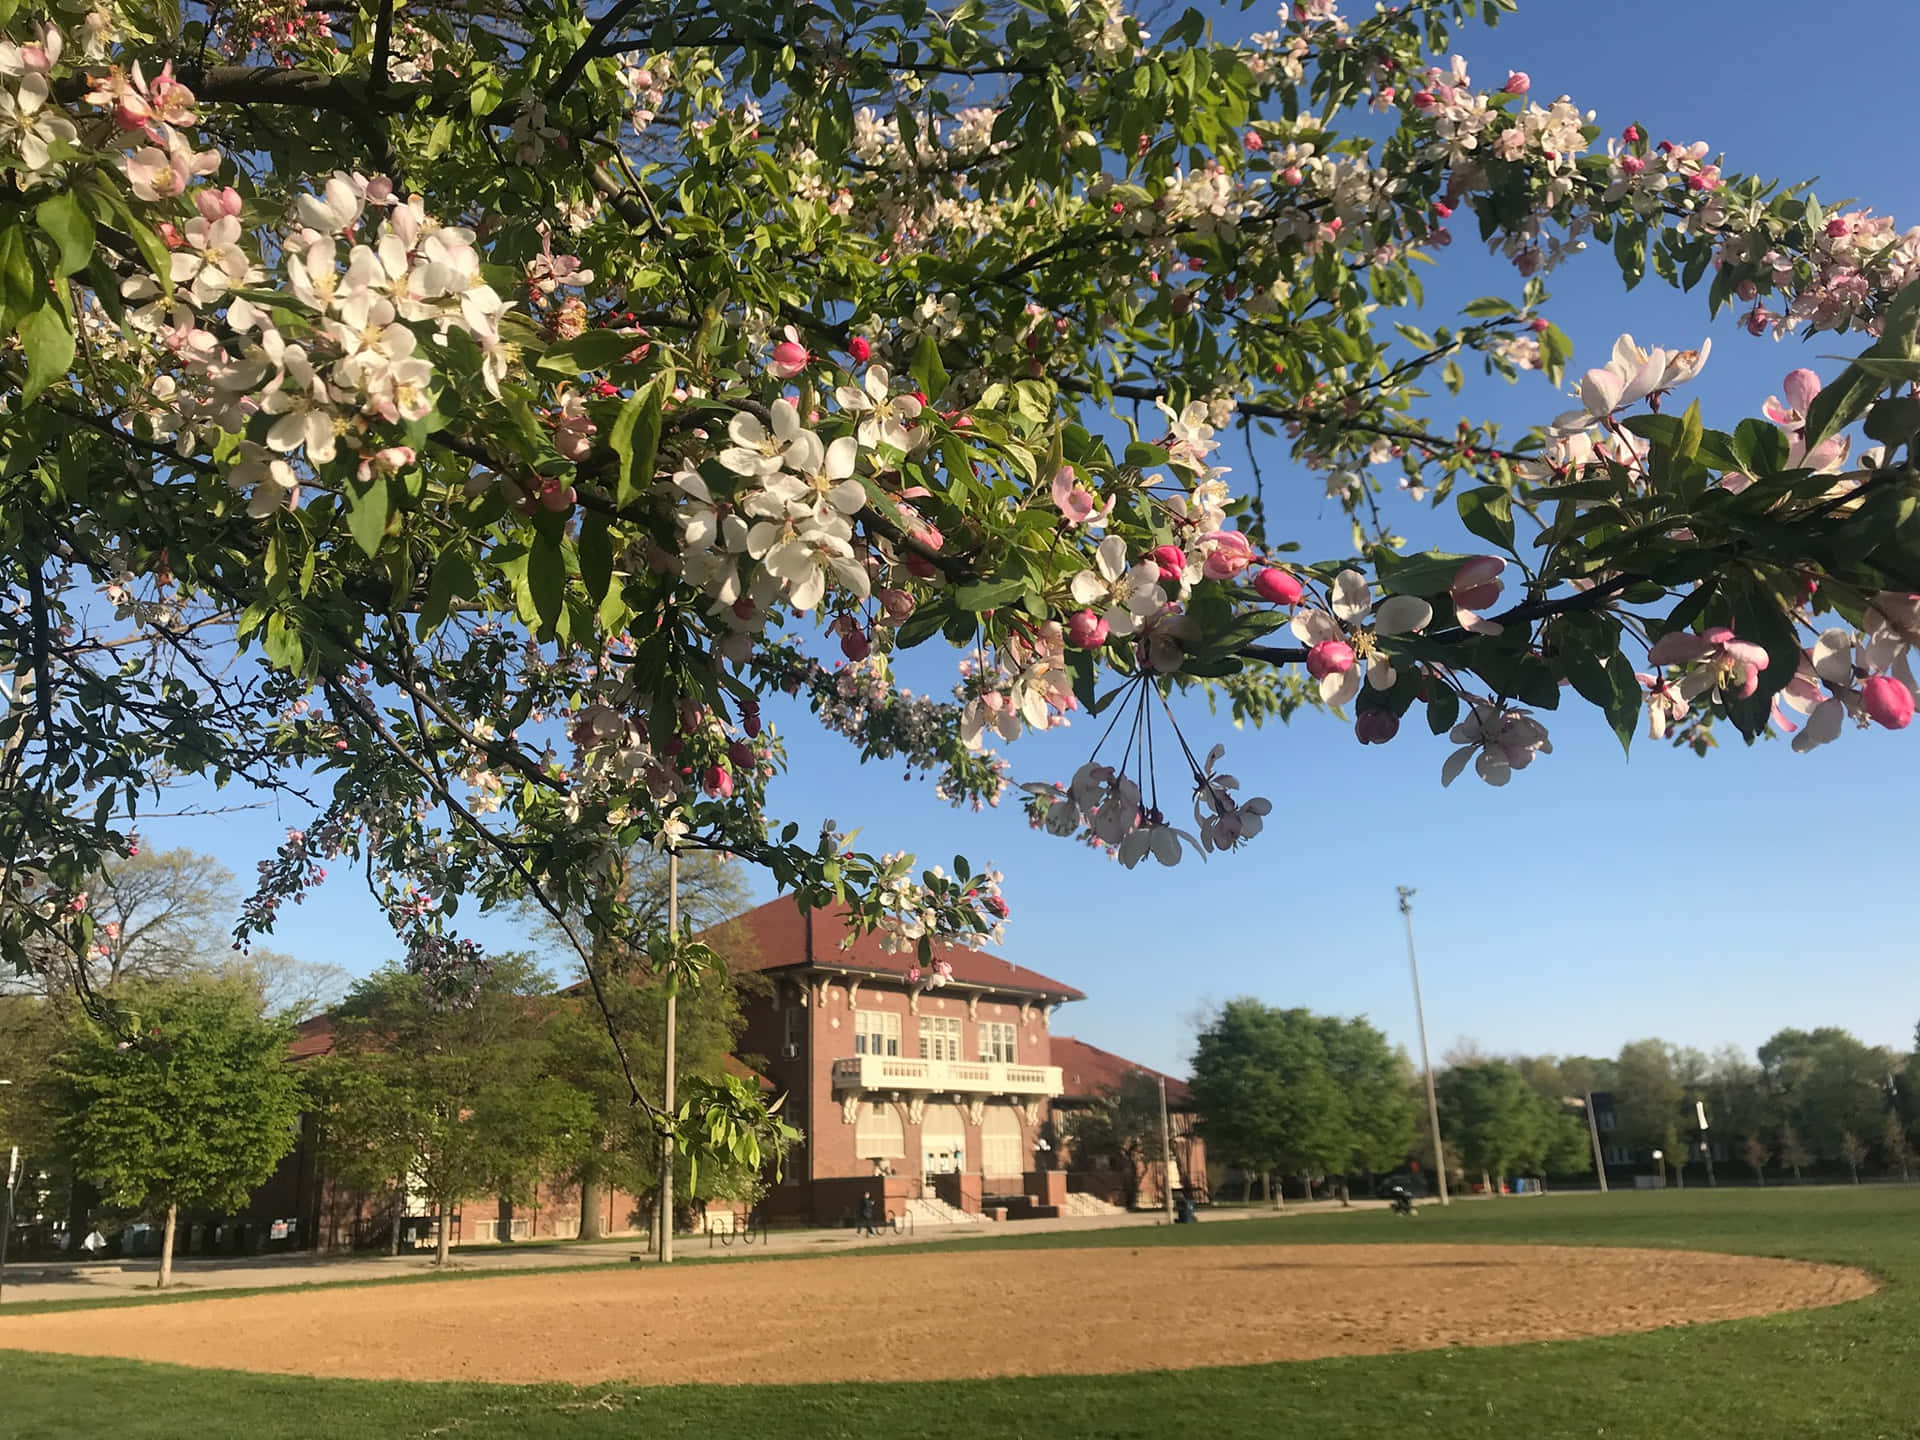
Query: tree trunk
x=593, y=1210
x=1346, y=1201
x=166, y=1247
x=1761, y=1176
x=1486, y=1182
x=445, y=1238
x=1855, y=1169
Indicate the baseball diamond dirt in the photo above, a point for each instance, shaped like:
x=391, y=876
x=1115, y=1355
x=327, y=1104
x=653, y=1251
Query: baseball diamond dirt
x=950, y=1316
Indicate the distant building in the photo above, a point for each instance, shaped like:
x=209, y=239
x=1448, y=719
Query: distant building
x=937, y=1096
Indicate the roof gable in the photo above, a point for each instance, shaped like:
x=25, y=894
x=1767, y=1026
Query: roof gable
x=780, y=936
x=1087, y=1071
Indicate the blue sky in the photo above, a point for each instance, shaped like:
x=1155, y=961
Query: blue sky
x=1596, y=899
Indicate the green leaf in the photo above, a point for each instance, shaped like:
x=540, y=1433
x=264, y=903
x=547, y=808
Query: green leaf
x=69, y=227
x=595, y=350
x=1555, y=351
x=1427, y=573
x=452, y=579
x=596, y=557
x=927, y=369
x=1443, y=709
x=368, y=511
x=48, y=340
x=1759, y=448
x=987, y=594
x=17, y=291
x=635, y=438
x=547, y=579
x=1488, y=513
x=1843, y=401
x=1488, y=307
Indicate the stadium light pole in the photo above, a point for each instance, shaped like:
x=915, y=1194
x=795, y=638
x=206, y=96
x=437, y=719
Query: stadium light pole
x=1593, y=1130
x=1426, y=1061
x=1166, y=1152
x=666, y=1141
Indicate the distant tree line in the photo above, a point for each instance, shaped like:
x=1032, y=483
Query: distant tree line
x=152, y=1080
x=1287, y=1094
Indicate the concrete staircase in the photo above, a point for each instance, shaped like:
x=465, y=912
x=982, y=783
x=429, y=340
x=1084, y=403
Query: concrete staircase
x=938, y=1212
x=1082, y=1204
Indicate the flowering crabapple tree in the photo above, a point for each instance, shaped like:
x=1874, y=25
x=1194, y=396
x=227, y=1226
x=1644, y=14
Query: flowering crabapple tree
x=459, y=419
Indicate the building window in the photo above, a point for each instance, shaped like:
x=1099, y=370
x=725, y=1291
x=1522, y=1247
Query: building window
x=1003, y=1150
x=939, y=1037
x=484, y=1230
x=566, y=1227
x=996, y=1043
x=1604, y=1120
x=1617, y=1155
x=796, y=1031
x=878, y=1135
x=876, y=1032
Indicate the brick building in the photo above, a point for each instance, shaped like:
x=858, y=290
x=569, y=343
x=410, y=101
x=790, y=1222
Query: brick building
x=905, y=1093
x=1088, y=1074
x=936, y=1100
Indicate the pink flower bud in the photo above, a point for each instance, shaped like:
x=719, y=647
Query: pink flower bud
x=859, y=349
x=1423, y=100
x=1254, y=142
x=1887, y=702
x=1329, y=657
x=895, y=605
x=1518, y=83
x=1087, y=631
x=1633, y=135
x=1539, y=324
x=741, y=754
x=1375, y=727
x=1171, y=559
x=855, y=645
x=1292, y=175
x=717, y=782
x=750, y=721
x=789, y=359
x=994, y=905
x=1281, y=587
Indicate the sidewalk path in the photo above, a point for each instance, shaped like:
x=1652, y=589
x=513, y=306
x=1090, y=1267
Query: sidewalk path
x=83, y=1280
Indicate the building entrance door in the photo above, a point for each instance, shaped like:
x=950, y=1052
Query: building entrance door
x=943, y=1143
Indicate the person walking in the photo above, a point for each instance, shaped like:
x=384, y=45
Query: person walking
x=866, y=1214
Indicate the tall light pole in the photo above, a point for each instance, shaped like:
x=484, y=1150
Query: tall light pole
x=1166, y=1152
x=673, y=990
x=1426, y=1061
x=1593, y=1129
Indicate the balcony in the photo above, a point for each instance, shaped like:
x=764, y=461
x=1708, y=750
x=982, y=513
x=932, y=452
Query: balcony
x=960, y=1077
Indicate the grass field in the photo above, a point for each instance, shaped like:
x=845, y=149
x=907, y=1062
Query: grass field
x=1852, y=1371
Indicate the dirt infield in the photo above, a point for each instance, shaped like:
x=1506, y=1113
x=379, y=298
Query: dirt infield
x=950, y=1316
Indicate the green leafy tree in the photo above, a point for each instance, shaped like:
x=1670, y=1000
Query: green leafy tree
x=182, y=1097
x=1122, y=1125
x=1756, y=1154
x=1490, y=1119
x=473, y=1089
x=1827, y=1083
x=1375, y=1083
x=1265, y=1097
x=623, y=1149
x=1648, y=1096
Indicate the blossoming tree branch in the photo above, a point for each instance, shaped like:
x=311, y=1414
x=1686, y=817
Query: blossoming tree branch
x=458, y=419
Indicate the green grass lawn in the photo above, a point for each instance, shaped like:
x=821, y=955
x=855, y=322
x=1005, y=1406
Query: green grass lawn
x=1850, y=1371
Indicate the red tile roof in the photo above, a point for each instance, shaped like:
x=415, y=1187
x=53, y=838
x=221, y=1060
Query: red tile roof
x=312, y=1037
x=1087, y=1071
x=779, y=936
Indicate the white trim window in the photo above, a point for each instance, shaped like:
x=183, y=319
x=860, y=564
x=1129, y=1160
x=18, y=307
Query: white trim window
x=939, y=1037
x=997, y=1042
x=876, y=1032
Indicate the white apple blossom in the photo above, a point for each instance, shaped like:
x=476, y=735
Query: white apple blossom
x=885, y=417
x=1130, y=593
x=759, y=452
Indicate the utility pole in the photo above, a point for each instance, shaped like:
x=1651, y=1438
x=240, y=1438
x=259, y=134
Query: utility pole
x=1706, y=1142
x=673, y=992
x=1426, y=1061
x=1599, y=1158
x=1166, y=1152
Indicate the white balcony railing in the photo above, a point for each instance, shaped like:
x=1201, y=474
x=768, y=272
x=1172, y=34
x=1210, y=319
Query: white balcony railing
x=970, y=1077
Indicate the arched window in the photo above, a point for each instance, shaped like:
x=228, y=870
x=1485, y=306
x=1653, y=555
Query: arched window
x=877, y=1134
x=1003, y=1148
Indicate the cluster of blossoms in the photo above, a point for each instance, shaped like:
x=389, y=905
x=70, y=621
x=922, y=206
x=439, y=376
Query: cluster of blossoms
x=861, y=701
x=937, y=907
x=30, y=129
x=296, y=867
x=1868, y=676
